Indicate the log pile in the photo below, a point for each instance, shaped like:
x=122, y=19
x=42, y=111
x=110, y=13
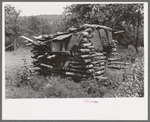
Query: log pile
x=49, y=53
x=113, y=60
x=86, y=60
x=82, y=62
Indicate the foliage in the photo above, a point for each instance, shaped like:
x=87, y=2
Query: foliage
x=11, y=16
x=117, y=16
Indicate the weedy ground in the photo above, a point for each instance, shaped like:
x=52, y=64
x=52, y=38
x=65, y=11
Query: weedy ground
x=21, y=82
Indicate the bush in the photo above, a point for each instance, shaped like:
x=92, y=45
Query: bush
x=130, y=54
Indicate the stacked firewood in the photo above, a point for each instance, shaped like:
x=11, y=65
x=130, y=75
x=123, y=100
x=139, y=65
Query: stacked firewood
x=86, y=61
x=113, y=60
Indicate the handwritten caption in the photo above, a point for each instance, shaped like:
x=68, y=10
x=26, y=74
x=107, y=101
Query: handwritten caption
x=88, y=101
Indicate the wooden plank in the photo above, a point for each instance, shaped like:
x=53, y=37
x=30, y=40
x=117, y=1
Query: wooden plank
x=28, y=39
x=119, y=63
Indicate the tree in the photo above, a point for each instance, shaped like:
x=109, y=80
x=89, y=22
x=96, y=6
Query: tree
x=117, y=16
x=11, y=25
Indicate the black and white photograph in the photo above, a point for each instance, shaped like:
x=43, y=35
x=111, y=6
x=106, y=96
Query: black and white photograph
x=70, y=51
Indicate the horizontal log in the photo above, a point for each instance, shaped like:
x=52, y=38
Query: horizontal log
x=77, y=63
x=99, y=54
x=93, y=55
x=90, y=55
x=52, y=56
x=99, y=68
x=112, y=59
x=100, y=72
x=84, y=50
x=119, y=32
x=81, y=66
x=102, y=63
x=115, y=67
x=97, y=62
x=100, y=57
x=114, y=53
x=86, y=44
x=41, y=56
x=75, y=74
x=86, y=56
x=77, y=70
x=87, y=60
x=119, y=63
x=45, y=65
x=91, y=47
x=97, y=27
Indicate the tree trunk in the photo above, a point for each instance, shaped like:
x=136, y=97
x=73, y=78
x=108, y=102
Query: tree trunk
x=15, y=44
x=137, y=38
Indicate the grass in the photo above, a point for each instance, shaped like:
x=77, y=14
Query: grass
x=20, y=82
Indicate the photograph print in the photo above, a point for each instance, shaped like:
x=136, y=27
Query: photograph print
x=74, y=50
